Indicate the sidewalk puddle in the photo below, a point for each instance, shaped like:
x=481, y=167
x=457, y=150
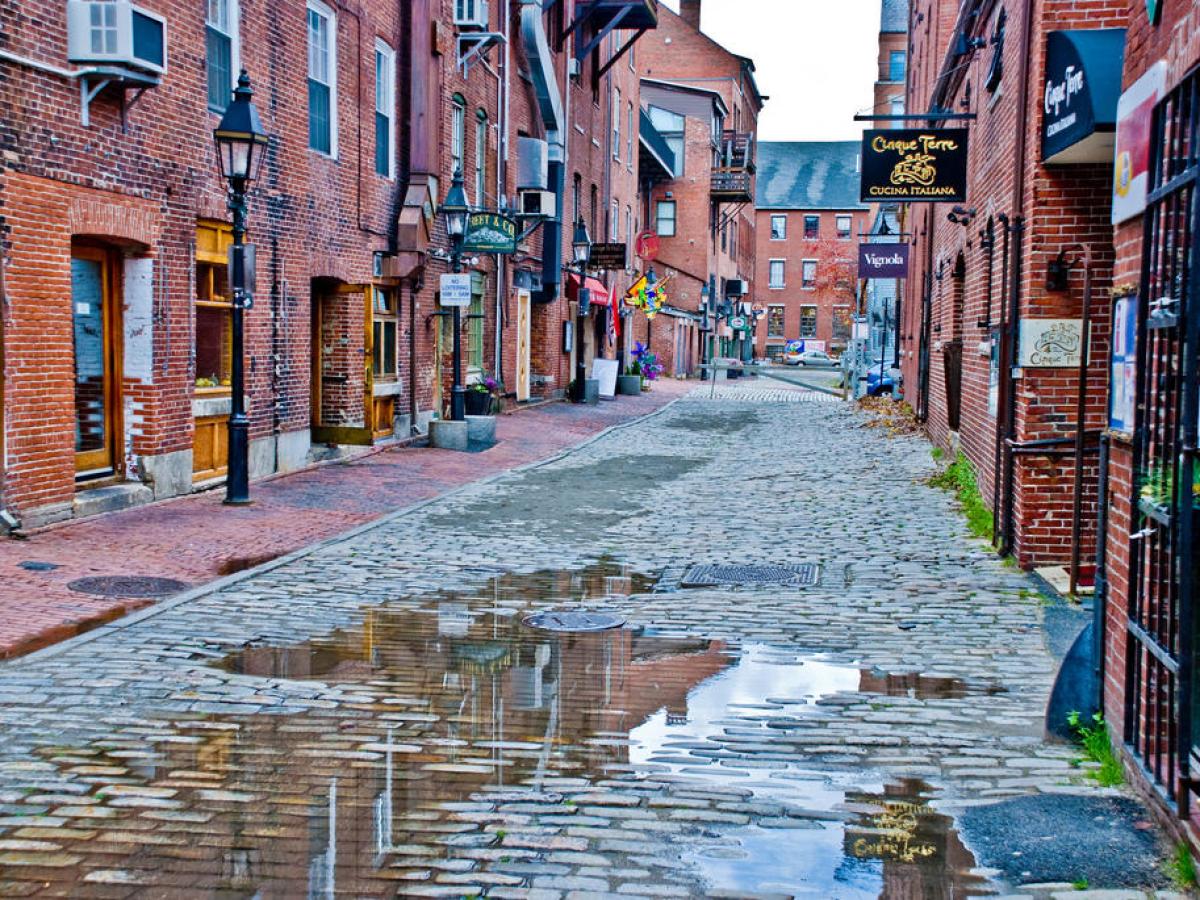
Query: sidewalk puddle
x=451, y=744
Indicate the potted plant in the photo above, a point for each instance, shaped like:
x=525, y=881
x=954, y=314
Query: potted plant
x=648, y=366
x=479, y=396
x=629, y=384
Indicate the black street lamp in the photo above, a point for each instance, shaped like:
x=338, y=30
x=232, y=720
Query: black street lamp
x=454, y=208
x=241, y=148
x=581, y=250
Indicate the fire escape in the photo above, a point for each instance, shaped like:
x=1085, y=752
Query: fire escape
x=597, y=19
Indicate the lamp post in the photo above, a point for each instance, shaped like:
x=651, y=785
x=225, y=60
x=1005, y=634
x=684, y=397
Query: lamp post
x=454, y=208
x=581, y=250
x=241, y=147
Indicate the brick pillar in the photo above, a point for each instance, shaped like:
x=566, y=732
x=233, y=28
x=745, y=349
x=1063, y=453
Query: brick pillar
x=689, y=11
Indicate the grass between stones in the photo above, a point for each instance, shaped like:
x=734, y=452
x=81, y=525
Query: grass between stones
x=1097, y=746
x=1181, y=869
x=959, y=477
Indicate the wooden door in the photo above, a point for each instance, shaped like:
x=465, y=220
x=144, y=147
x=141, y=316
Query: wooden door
x=523, y=338
x=97, y=385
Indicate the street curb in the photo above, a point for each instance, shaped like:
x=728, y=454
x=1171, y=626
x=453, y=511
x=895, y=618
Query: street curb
x=220, y=584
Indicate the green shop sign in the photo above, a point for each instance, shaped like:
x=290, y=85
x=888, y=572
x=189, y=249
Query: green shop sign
x=489, y=232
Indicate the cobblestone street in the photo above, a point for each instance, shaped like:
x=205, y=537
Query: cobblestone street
x=374, y=716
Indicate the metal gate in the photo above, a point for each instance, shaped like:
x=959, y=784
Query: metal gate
x=1159, y=688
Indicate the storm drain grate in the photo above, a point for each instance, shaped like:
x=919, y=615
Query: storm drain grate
x=713, y=575
x=571, y=620
x=127, y=586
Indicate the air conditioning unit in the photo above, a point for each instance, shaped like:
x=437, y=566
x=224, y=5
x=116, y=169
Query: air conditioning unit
x=116, y=33
x=574, y=68
x=471, y=14
x=736, y=287
x=538, y=203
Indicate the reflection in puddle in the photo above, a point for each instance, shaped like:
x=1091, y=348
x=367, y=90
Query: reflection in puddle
x=450, y=745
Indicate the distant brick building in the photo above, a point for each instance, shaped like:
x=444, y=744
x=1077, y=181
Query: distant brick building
x=809, y=222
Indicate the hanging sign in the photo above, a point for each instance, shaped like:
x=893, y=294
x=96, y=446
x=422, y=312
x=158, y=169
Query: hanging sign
x=646, y=246
x=1131, y=174
x=455, y=289
x=737, y=322
x=1079, y=97
x=614, y=257
x=883, y=260
x=489, y=232
x=914, y=164
x=1122, y=381
x=1050, y=343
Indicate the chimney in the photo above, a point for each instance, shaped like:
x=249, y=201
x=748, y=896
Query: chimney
x=689, y=11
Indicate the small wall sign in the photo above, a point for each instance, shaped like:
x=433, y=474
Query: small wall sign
x=455, y=289
x=1050, y=343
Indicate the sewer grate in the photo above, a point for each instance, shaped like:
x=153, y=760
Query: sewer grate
x=571, y=620
x=712, y=575
x=127, y=586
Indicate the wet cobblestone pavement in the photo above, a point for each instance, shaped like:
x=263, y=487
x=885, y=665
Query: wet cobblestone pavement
x=376, y=718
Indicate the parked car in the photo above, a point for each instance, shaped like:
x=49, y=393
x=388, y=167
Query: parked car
x=817, y=358
x=879, y=384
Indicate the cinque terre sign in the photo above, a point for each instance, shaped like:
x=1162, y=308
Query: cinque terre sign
x=490, y=233
x=914, y=164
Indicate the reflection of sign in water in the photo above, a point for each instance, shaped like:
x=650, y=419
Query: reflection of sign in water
x=914, y=164
x=490, y=233
x=1051, y=343
x=893, y=834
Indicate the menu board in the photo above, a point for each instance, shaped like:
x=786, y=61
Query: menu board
x=1122, y=384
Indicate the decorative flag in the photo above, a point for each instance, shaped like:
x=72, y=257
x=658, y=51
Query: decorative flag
x=614, y=315
x=636, y=295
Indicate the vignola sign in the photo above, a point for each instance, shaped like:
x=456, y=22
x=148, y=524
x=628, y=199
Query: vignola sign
x=914, y=164
x=883, y=260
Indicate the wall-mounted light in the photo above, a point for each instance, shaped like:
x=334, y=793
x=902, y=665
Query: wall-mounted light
x=1058, y=271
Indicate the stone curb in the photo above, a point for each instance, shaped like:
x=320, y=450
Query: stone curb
x=220, y=584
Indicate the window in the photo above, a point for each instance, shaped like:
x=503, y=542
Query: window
x=616, y=124
x=896, y=60
x=808, y=321
x=812, y=227
x=458, y=132
x=595, y=211
x=996, y=69
x=775, y=270
x=383, y=343
x=844, y=224
x=474, y=335
x=628, y=224
x=670, y=126
x=322, y=78
x=665, y=218
x=775, y=321
x=481, y=140
x=808, y=274
x=214, y=308
x=629, y=138
x=385, y=108
x=220, y=41
x=577, y=198
x=897, y=104
x=779, y=228
x=614, y=221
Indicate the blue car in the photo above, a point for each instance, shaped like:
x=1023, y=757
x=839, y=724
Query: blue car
x=879, y=384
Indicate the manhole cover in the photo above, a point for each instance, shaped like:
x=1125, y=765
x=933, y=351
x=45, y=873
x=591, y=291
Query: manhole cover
x=33, y=565
x=569, y=620
x=711, y=575
x=127, y=586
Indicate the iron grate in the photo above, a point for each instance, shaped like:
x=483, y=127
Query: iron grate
x=573, y=620
x=718, y=574
x=136, y=586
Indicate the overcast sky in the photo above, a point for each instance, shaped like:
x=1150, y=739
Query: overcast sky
x=815, y=59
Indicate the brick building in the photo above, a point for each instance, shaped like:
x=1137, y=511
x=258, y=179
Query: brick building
x=1149, y=558
x=809, y=222
x=996, y=281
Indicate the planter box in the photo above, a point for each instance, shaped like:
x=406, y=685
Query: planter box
x=629, y=385
x=591, y=391
x=478, y=403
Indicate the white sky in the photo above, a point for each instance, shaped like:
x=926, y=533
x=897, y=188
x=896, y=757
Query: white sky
x=815, y=59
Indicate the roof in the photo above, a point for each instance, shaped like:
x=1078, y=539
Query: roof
x=682, y=88
x=808, y=175
x=894, y=16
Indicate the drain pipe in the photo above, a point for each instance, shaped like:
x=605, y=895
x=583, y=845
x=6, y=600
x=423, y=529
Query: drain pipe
x=1080, y=417
x=1100, y=588
x=502, y=91
x=1002, y=397
x=549, y=103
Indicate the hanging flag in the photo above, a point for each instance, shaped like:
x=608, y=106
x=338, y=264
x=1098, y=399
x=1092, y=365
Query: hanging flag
x=614, y=315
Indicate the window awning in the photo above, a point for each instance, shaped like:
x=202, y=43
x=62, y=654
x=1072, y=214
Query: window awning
x=656, y=160
x=1079, y=96
x=595, y=285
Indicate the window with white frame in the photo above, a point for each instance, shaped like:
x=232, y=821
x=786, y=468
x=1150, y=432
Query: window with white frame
x=322, y=78
x=808, y=321
x=385, y=109
x=481, y=140
x=628, y=224
x=629, y=129
x=664, y=216
x=458, y=132
x=775, y=271
x=221, y=51
x=775, y=320
x=812, y=228
x=671, y=126
x=779, y=228
x=844, y=224
x=808, y=274
x=614, y=221
x=616, y=123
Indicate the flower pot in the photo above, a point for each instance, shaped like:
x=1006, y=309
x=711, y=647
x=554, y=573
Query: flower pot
x=629, y=385
x=478, y=403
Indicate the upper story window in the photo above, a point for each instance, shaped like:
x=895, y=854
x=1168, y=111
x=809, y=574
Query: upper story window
x=458, y=132
x=897, y=106
x=812, y=227
x=385, y=109
x=322, y=78
x=221, y=51
x=844, y=224
x=808, y=274
x=896, y=65
x=481, y=140
x=779, y=228
x=670, y=125
x=775, y=273
x=616, y=124
x=665, y=218
x=629, y=137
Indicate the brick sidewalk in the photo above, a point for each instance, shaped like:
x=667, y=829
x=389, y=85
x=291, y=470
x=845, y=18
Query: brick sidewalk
x=196, y=539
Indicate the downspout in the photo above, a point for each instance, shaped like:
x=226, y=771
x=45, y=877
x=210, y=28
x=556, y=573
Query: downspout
x=549, y=102
x=502, y=91
x=1002, y=386
x=1081, y=420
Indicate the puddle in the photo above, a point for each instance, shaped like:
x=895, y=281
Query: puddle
x=450, y=741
